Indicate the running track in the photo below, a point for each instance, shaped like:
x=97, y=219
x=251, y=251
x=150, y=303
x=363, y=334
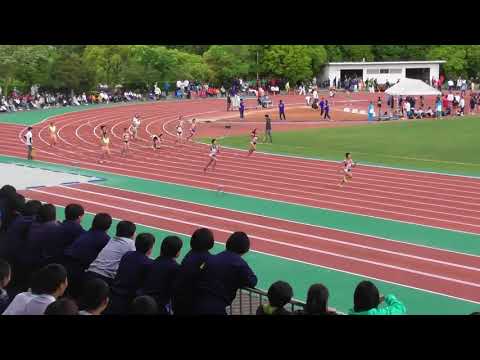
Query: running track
x=428, y=199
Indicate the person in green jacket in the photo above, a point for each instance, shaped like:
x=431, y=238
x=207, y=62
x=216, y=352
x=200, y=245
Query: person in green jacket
x=367, y=301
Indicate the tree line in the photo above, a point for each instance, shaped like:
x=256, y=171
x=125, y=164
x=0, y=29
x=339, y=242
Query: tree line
x=83, y=67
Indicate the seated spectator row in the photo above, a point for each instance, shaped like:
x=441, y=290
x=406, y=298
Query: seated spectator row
x=49, y=267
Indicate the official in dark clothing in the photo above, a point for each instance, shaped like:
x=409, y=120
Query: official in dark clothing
x=223, y=275
x=7, y=196
x=268, y=128
x=131, y=274
x=160, y=280
x=186, y=282
x=84, y=250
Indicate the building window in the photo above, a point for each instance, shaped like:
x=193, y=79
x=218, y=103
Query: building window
x=384, y=71
x=395, y=71
x=372, y=71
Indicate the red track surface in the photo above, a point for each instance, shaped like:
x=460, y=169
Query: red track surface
x=429, y=199
x=435, y=270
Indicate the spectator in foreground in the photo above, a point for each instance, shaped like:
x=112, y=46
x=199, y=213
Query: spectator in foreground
x=132, y=272
x=5, y=275
x=106, y=264
x=69, y=230
x=160, y=280
x=317, y=301
x=7, y=193
x=63, y=306
x=367, y=300
x=279, y=294
x=144, y=305
x=95, y=297
x=85, y=249
x=48, y=284
x=222, y=276
x=201, y=243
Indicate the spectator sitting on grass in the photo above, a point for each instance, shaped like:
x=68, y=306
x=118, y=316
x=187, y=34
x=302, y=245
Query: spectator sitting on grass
x=105, y=266
x=201, y=243
x=95, y=297
x=317, y=301
x=160, y=280
x=132, y=272
x=279, y=294
x=222, y=276
x=144, y=305
x=63, y=306
x=367, y=301
x=5, y=275
x=48, y=284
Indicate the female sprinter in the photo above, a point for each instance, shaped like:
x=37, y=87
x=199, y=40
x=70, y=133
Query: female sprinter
x=53, y=134
x=214, y=150
x=253, y=142
x=126, y=139
x=348, y=164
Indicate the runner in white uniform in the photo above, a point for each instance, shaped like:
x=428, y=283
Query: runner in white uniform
x=29, y=142
x=135, y=126
x=214, y=150
x=348, y=164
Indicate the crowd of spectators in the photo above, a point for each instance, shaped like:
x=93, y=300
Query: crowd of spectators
x=59, y=268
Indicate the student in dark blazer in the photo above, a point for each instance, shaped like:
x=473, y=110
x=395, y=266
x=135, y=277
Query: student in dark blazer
x=222, y=276
x=186, y=283
x=131, y=274
x=84, y=250
x=160, y=280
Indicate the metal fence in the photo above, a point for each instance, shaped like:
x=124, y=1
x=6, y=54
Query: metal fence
x=248, y=300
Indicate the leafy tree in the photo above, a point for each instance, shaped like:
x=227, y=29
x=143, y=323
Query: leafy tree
x=228, y=62
x=158, y=61
x=292, y=62
x=108, y=61
x=455, y=55
x=358, y=53
x=319, y=57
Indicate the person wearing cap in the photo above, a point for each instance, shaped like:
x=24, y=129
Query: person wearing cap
x=222, y=276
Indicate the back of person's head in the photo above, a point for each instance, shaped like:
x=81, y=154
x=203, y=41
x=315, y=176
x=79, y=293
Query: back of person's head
x=102, y=222
x=51, y=279
x=17, y=203
x=171, y=246
x=202, y=240
x=238, y=243
x=63, y=306
x=366, y=297
x=126, y=229
x=7, y=191
x=317, y=300
x=279, y=294
x=73, y=212
x=5, y=273
x=144, y=243
x=47, y=213
x=144, y=305
x=475, y=313
x=95, y=296
x=32, y=207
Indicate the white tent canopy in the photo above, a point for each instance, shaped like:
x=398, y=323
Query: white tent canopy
x=411, y=87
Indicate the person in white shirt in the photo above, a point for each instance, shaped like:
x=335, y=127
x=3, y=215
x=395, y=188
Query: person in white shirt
x=29, y=142
x=105, y=266
x=95, y=297
x=462, y=106
x=48, y=284
x=407, y=108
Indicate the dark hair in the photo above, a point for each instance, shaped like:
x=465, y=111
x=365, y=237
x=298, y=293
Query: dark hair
x=8, y=190
x=317, y=300
x=366, y=296
x=171, y=245
x=95, y=292
x=46, y=213
x=48, y=279
x=346, y=154
x=29, y=128
x=238, y=243
x=144, y=305
x=102, y=222
x=144, y=242
x=124, y=129
x=125, y=229
x=202, y=240
x=17, y=203
x=31, y=207
x=279, y=294
x=213, y=140
x=63, y=306
x=475, y=313
x=5, y=269
x=73, y=212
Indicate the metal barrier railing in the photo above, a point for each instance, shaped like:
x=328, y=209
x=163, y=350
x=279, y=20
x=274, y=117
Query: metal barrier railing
x=249, y=299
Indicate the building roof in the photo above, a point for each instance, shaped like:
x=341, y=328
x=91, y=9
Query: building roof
x=388, y=62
